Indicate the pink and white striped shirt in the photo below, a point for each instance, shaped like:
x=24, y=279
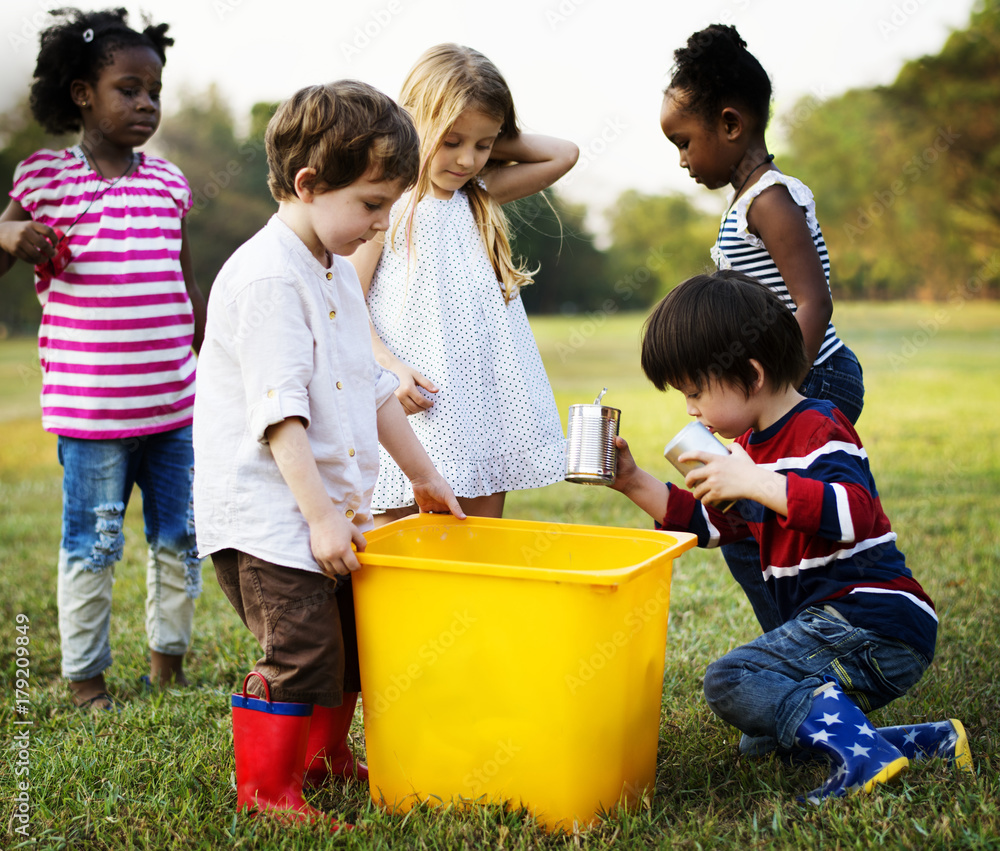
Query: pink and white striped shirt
x=117, y=324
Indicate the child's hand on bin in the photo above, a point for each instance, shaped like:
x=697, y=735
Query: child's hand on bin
x=433, y=494
x=331, y=539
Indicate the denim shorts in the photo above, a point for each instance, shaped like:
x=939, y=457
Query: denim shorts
x=840, y=380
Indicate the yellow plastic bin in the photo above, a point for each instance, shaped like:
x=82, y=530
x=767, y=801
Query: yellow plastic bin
x=513, y=661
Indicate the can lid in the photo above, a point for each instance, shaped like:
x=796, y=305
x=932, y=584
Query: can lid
x=591, y=410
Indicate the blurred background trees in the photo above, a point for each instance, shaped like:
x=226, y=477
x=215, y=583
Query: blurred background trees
x=550, y=234
x=905, y=179
x=905, y=176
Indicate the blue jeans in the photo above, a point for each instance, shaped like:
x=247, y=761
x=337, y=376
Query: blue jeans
x=838, y=379
x=765, y=688
x=98, y=476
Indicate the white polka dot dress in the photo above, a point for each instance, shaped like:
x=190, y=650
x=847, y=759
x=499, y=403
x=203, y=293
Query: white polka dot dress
x=494, y=426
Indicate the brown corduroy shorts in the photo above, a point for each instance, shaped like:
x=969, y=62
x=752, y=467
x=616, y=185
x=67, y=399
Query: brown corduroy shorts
x=304, y=623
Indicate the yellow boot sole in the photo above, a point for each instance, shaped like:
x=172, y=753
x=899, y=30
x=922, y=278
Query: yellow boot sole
x=887, y=774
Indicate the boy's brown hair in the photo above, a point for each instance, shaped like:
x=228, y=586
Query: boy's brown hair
x=341, y=130
x=709, y=327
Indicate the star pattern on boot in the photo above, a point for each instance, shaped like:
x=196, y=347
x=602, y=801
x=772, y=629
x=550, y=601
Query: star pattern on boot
x=832, y=693
x=860, y=757
x=942, y=739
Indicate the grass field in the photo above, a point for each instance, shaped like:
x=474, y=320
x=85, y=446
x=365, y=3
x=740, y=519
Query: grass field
x=159, y=774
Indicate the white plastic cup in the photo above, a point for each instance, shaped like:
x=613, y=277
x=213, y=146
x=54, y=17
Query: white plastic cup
x=695, y=437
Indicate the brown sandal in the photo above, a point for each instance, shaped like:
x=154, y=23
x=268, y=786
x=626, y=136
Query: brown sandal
x=103, y=702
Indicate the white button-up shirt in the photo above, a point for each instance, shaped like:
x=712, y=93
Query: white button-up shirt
x=285, y=337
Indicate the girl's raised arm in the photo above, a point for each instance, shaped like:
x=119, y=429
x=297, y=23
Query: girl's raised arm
x=538, y=162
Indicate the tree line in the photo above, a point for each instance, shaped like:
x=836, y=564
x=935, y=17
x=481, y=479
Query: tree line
x=905, y=180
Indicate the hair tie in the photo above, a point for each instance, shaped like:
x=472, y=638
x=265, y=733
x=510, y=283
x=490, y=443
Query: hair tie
x=88, y=35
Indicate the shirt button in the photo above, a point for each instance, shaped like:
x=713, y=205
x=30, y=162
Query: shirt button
x=329, y=276
x=349, y=514
x=333, y=314
x=350, y=452
x=340, y=385
x=270, y=394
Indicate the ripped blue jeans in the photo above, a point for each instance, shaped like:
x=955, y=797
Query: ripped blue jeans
x=98, y=476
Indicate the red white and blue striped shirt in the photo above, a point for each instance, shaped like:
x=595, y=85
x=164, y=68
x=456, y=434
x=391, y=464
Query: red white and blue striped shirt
x=117, y=323
x=836, y=545
x=737, y=248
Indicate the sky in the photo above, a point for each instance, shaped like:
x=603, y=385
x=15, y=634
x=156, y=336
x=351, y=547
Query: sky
x=592, y=71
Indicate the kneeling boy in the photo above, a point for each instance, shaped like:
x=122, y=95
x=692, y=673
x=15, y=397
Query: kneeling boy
x=858, y=629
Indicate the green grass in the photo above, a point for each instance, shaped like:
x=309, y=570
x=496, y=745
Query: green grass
x=159, y=775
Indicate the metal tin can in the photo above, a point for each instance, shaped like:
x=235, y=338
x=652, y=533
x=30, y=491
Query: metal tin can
x=591, y=454
x=695, y=437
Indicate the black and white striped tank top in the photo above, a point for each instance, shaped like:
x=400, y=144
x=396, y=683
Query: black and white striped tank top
x=737, y=248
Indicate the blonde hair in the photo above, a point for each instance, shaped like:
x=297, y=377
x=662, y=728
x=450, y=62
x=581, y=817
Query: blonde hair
x=341, y=130
x=445, y=81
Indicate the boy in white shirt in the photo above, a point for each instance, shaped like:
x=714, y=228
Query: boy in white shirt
x=289, y=411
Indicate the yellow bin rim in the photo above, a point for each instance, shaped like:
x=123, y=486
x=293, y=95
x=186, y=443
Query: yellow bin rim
x=672, y=543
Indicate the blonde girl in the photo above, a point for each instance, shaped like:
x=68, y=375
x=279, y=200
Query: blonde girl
x=443, y=291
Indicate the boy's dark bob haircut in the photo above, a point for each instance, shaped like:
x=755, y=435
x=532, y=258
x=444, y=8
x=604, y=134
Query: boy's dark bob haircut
x=710, y=327
x=341, y=130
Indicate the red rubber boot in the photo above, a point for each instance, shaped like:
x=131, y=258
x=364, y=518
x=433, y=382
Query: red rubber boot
x=327, y=754
x=270, y=743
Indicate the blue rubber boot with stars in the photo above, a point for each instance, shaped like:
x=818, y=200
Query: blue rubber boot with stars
x=937, y=739
x=860, y=758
